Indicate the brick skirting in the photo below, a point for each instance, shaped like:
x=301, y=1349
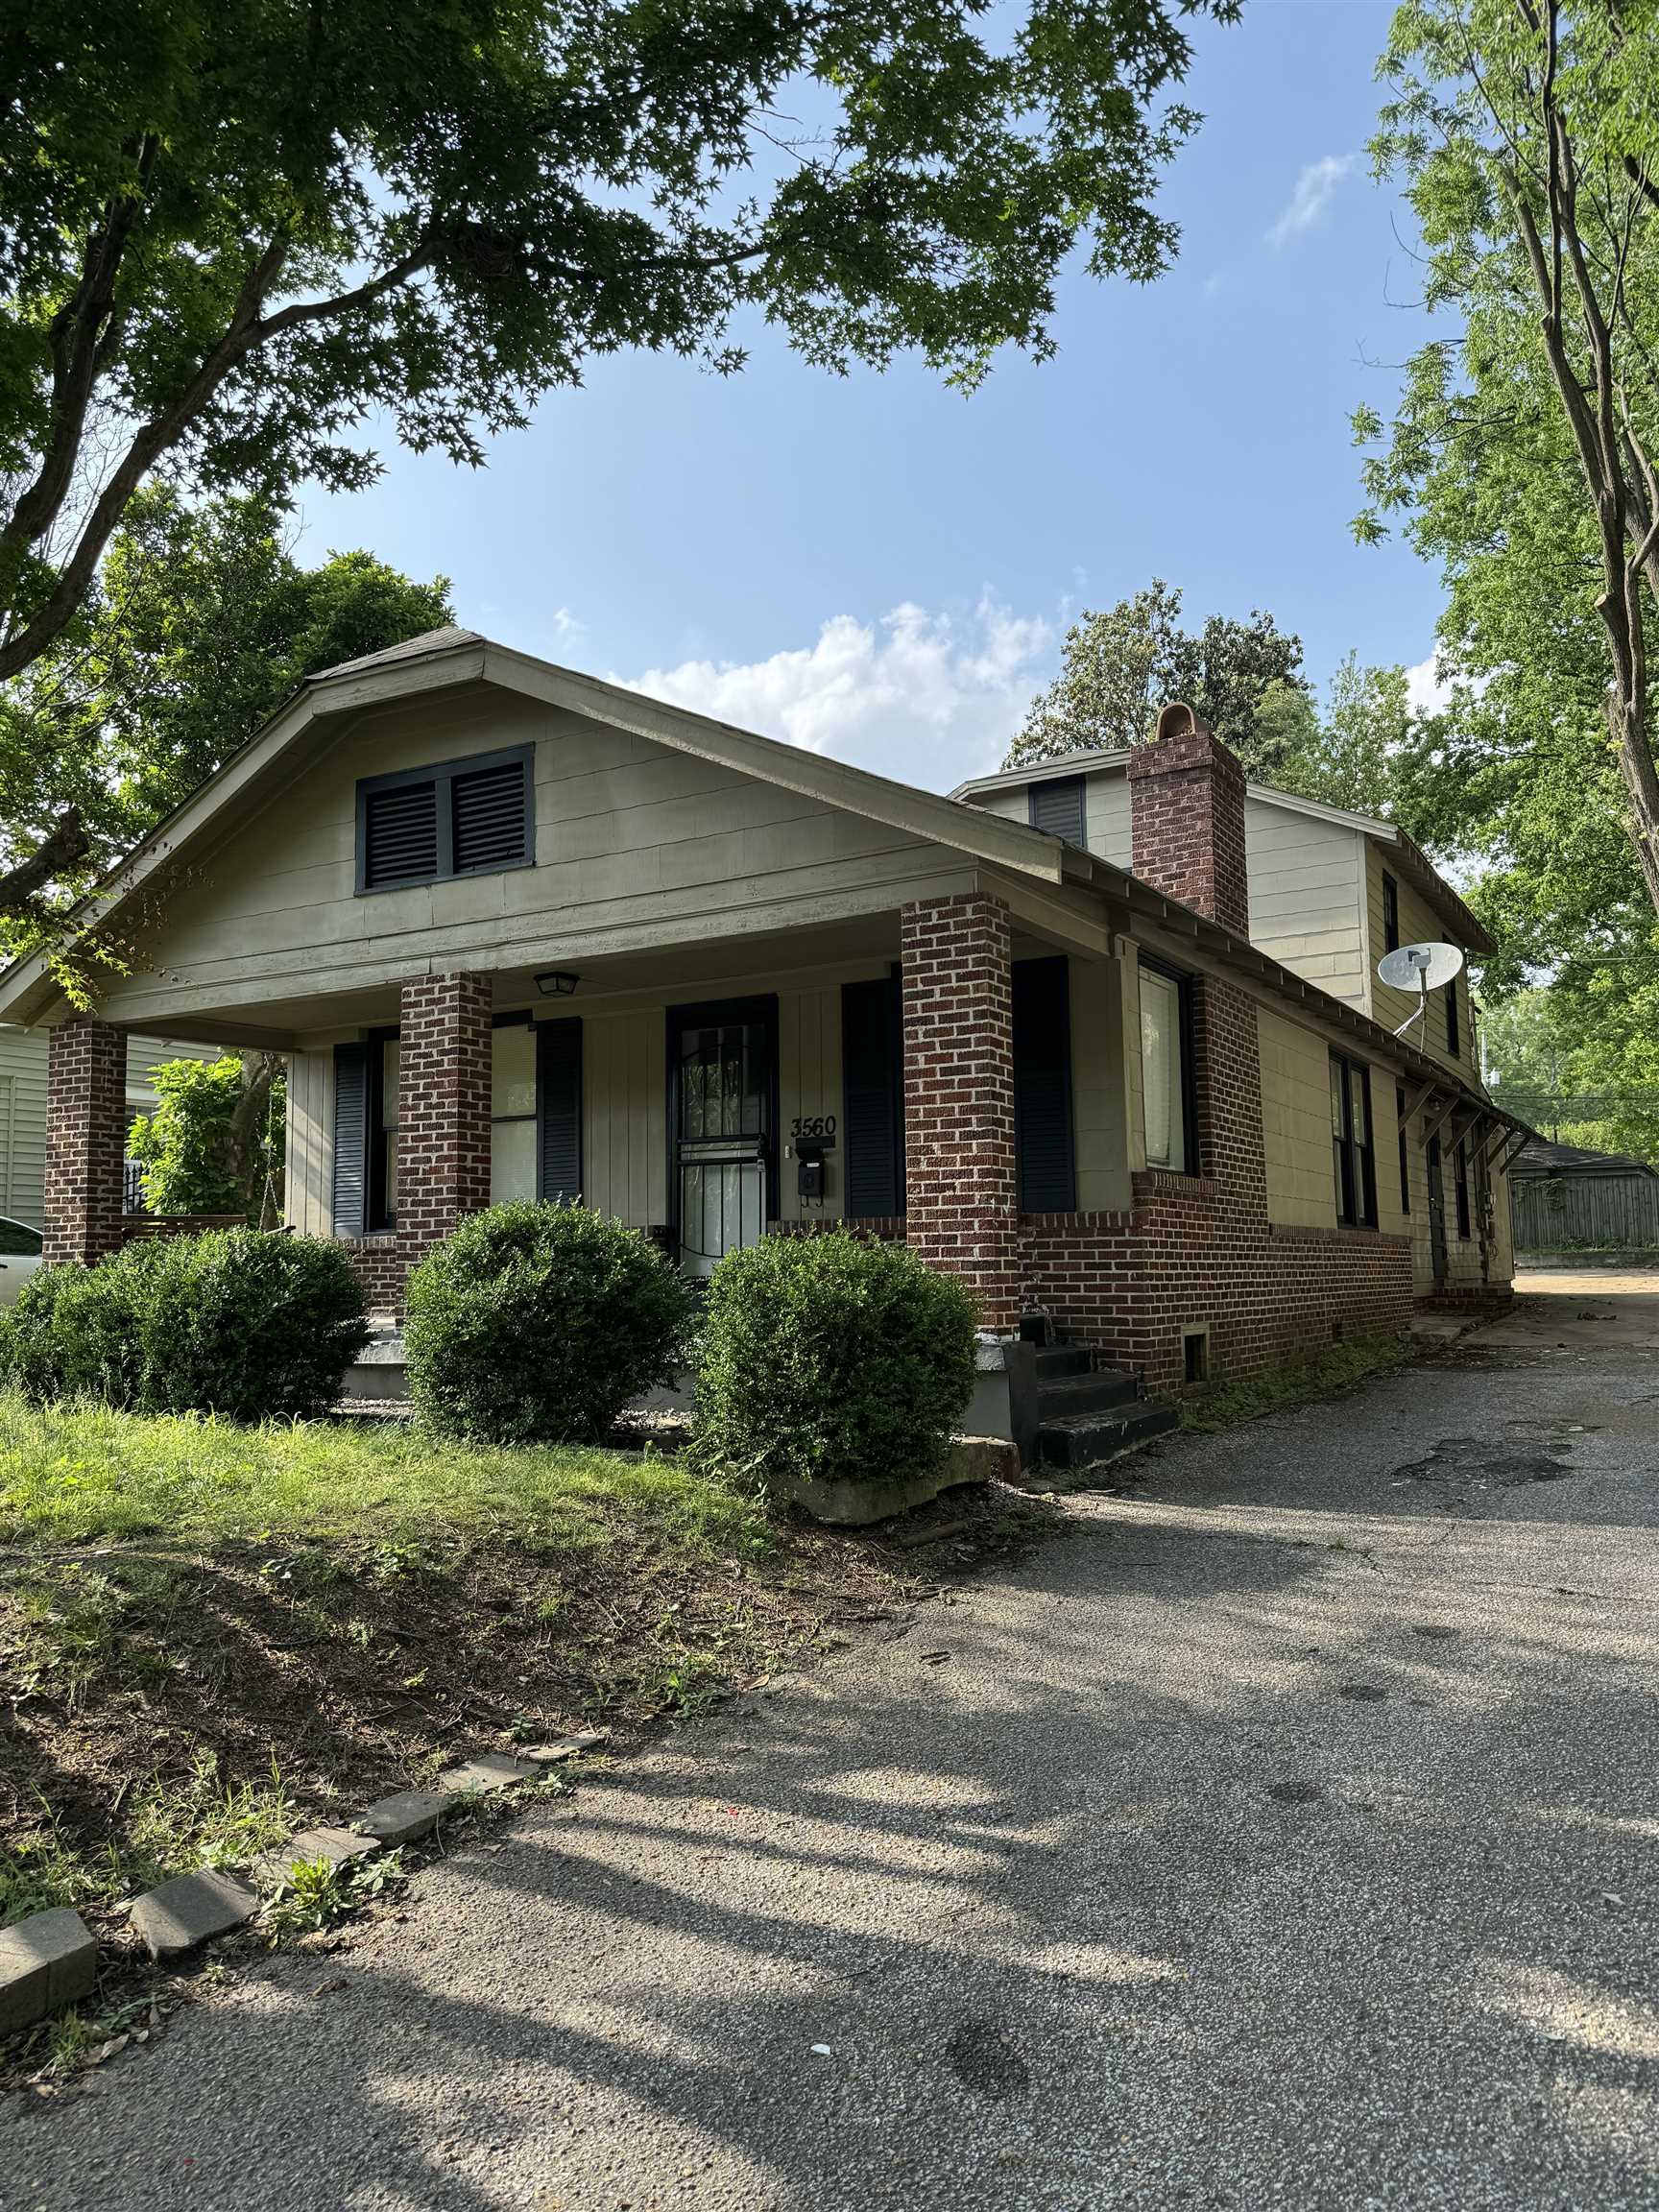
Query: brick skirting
x=1199, y=1252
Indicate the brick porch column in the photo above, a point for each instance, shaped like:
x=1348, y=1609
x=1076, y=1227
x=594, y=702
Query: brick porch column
x=444, y=1060
x=962, y=1201
x=85, y=1139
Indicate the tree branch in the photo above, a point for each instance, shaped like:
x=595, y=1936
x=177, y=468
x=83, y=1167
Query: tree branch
x=64, y=851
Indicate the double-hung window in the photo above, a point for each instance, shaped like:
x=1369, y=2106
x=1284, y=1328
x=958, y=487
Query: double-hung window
x=1390, y=914
x=460, y=818
x=1454, y=1036
x=513, y=1111
x=1166, y=1068
x=1351, y=1148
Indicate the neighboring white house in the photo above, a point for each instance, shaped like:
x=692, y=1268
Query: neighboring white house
x=23, y=1107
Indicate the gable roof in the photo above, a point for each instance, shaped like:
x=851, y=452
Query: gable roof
x=420, y=648
x=1541, y=1157
x=447, y=659
x=1408, y=858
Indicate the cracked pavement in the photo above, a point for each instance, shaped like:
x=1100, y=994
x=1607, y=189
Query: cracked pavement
x=1283, y=1833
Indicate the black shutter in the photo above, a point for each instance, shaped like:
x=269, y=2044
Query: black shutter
x=399, y=836
x=559, y=1109
x=492, y=814
x=872, y=1099
x=350, y=1138
x=1042, y=1146
x=1056, y=806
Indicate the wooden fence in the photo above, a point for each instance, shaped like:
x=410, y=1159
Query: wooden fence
x=1551, y=1210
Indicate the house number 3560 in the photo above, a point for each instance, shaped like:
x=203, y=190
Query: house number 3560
x=812, y=1126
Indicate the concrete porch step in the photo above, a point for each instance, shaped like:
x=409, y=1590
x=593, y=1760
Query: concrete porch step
x=1058, y=1395
x=1057, y=1359
x=377, y=1371
x=1081, y=1439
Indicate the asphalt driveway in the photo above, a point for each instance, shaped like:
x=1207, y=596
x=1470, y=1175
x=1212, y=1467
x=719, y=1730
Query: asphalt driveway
x=1284, y=1836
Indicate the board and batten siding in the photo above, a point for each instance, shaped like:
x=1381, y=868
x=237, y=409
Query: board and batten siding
x=636, y=845
x=624, y=1103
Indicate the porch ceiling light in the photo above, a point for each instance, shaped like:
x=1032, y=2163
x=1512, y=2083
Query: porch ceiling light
x=557, y=983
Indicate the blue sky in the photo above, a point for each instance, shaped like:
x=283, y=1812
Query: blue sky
x=883, y=569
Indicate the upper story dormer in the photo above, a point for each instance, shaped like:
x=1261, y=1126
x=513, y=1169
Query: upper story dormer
x=1330, y=891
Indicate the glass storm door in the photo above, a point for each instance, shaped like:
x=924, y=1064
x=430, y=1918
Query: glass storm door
x=723, y=1133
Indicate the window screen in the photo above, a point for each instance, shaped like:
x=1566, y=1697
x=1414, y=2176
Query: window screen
x=1165, y=1070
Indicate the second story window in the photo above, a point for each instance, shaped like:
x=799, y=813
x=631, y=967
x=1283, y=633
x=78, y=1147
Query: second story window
x=1351, y=1148
x=460, y=818
x=1057, y=805
x=1454, y=1031
x=1390, y=913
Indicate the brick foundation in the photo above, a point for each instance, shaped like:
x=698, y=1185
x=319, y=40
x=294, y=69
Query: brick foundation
x=86, y=1137
x=961, y=1193
x=1199, y=1251
x=379, y=1265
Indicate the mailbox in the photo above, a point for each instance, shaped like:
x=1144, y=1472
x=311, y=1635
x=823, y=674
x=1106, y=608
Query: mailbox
x=809, y=1173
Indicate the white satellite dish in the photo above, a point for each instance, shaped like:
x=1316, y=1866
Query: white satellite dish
x=1419, y=968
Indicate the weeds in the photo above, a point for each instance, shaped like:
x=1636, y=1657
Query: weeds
x=1332, y=1368
x=315, y=1894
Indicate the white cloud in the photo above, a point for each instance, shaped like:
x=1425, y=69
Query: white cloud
x=930, y=698
x=1315, y=189
x=1425, y=689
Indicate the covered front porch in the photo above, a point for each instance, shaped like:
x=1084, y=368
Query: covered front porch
x=932, y=1071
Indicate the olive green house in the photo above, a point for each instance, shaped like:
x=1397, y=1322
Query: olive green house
x=523, y=933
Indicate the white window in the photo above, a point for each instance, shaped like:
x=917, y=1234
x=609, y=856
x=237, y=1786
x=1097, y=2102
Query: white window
x=1164, y=1069
x=513, y=1113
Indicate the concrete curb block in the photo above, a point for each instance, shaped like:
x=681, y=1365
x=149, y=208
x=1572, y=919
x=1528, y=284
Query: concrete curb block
x=191, y=1910
x=49, y=1961
x=46, y=1963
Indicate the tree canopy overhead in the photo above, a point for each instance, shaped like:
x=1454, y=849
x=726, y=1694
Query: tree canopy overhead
x=231, y=232
x=197, y=624
x=1524, y=453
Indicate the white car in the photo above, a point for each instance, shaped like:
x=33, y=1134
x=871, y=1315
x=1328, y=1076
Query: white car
x=19, y=1256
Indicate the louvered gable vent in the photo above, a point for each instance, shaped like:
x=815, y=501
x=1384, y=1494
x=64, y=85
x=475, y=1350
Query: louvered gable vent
x=489, y=806
x=461, y=818
x=1057, y=806
x=399, y=836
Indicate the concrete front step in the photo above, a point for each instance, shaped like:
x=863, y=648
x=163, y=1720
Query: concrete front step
x=1057, y=1359
x=378, y=1372
x=1081, y=1439
x=1059, y=1395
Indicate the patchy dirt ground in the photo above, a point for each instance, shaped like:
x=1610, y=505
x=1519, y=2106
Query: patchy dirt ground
x=161, y=1706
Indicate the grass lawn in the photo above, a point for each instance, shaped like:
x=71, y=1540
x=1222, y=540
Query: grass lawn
x=210, y=1634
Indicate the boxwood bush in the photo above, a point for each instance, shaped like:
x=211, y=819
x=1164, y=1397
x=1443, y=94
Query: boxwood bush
x=242, y=1322
x=535, y=1323
x=831, y=1360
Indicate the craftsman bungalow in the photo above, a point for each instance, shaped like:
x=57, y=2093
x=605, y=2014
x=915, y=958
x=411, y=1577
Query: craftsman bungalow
x=521, y=933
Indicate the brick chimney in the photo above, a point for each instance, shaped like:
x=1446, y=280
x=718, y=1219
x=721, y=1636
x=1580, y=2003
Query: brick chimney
x=1187, y=810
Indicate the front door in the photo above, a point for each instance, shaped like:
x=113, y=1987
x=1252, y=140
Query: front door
x=722, y=1080
x=1436, y=1214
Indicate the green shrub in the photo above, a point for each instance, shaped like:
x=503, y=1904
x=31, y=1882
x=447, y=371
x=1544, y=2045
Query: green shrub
x=231, y=1321
x=830, y=1359
x=537, y=1324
